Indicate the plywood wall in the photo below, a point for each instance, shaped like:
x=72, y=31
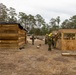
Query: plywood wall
x=67, y=44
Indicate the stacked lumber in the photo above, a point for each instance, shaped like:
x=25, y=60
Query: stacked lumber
x=8, y=36
x=12, y=35
x=21, y=38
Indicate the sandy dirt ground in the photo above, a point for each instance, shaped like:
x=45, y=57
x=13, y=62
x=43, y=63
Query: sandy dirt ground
x=33, y=61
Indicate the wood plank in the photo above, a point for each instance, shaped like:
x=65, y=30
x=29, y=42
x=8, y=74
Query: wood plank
x=21, y=37
x=9, y=25
x=69, y=54
x=9, y=31
x=9, y=42
x=21, y=43
x=8, y=36
x=67, y=30
x=8, y=45
x=9, y=48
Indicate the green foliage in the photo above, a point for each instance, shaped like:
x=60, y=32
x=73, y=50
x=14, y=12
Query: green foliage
x=31, y=21
x=12, y=15
x=3, y=13
x=34, y=24
x=54, y=23
x=23, y=19
x=39, y=20
x=58, y=20
x=71, y=23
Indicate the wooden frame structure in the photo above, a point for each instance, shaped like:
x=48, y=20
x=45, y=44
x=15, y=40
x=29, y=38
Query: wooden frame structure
x=12, y=35
x=66, y=39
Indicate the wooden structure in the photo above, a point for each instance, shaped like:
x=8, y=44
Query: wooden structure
x=66, y=39
x=12, y=35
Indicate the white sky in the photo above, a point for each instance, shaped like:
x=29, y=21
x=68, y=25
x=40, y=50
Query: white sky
x=46, y=8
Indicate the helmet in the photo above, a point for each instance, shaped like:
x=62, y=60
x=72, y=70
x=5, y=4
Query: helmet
x=50, y=34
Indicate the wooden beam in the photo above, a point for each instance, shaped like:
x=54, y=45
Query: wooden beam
x=68, y=54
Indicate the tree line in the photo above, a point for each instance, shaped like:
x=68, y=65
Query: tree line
x=35, y=24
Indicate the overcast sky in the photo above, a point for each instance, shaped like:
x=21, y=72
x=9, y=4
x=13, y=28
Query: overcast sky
x=46, y=8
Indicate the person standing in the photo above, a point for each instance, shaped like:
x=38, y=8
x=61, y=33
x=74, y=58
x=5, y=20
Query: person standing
x=46, y=38
x=33, y=39
x=49, y=41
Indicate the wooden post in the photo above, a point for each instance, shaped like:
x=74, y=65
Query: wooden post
x=62, y=41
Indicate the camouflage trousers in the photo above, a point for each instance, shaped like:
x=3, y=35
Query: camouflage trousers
x=49, y=47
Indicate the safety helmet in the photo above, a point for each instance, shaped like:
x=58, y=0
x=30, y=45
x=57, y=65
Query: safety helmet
x=50, y=34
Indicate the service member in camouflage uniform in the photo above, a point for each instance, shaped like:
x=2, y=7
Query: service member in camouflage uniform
x=49, y=42
x=55, y=38
x=46, y=38
x=33, y=39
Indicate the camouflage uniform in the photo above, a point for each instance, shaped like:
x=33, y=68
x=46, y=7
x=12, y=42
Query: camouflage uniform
x=46, y=38
x=49, y=43
x=33, y=39
x=55, y=40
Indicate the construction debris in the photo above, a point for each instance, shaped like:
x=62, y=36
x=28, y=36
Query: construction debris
x=38, y=46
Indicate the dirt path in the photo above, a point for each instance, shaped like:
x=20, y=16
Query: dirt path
x=33, y=61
